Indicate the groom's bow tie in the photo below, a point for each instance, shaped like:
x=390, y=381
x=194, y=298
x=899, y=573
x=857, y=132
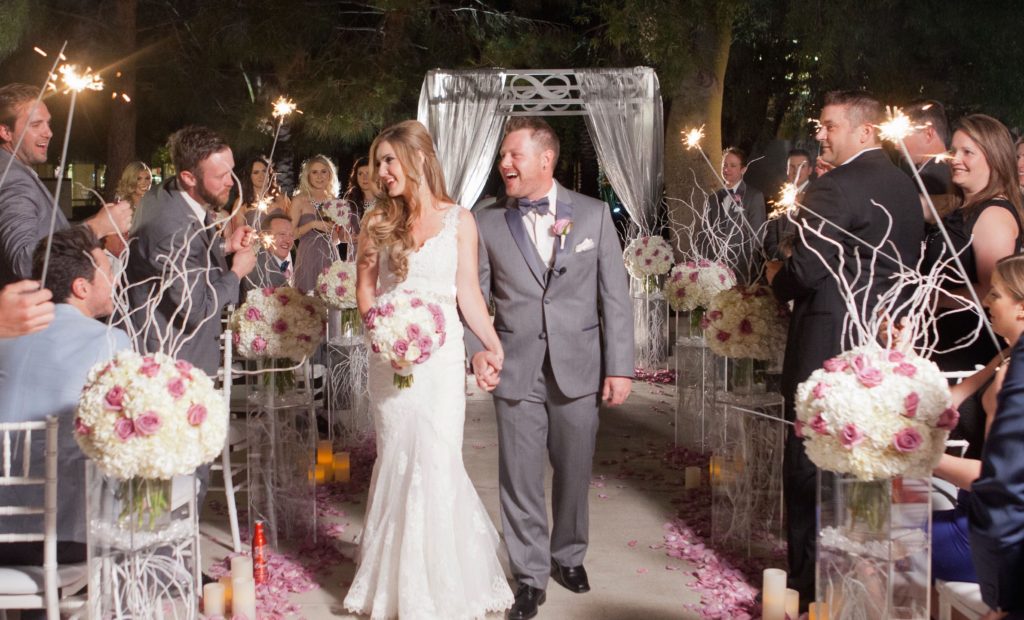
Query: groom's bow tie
x=541, y=206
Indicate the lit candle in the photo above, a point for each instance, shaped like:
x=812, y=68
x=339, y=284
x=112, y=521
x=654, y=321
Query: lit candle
x=342, y=467
x=692, y=478
x=213, y=599
x=241, y=567
x=226, y=582
x=773, y=594
x=715, y=470
x=324, y=453
x=244, y=601
x=792, y=603
x=818, y=611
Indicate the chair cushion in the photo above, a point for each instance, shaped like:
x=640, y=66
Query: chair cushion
x=963, y=595
x=29, y=579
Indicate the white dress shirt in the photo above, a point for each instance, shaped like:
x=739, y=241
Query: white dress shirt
x=539, y=228
x=198, y=209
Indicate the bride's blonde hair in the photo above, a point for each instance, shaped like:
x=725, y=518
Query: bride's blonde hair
x=390, y=224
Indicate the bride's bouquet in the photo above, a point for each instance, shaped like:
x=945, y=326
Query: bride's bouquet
x=694, y=284
x=746, y=322
x=278, y=323
x=875, y=413
x=405, y=328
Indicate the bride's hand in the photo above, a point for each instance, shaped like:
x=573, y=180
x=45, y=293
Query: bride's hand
x=486, y=367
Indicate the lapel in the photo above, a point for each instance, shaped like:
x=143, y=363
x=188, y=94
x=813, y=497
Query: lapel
x=526, y=247
x=202, y=233
x=563, y=211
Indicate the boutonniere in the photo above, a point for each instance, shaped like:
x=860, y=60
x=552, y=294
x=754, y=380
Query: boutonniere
x=561, y=229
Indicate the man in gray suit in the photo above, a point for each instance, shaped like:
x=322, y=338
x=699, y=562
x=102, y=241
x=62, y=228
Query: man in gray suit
x=274, y=265
x=42, y=375
x=563, y=313
x=26, y=206
x=177, y=265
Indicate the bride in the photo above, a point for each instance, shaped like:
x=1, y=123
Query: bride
x=428, y=549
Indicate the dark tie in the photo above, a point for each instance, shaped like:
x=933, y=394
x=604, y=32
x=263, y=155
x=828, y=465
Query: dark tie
x=284, y=265
x=541, y=206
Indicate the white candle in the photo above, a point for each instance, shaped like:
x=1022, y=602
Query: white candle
x=213, y=599
x=226, y=582
x=243, y=601
x=818, y=611
x=692, y=478
x=773, y=594
x=241, y=567
x=792, y=603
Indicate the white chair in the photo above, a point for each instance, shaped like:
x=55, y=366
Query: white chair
x=36, y=587
x=236, y=441
x=961, y=596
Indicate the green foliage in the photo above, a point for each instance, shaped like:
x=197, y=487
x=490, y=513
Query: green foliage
x=14, y=17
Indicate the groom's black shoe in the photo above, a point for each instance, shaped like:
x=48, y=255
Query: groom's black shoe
x=572, y=578
x=528, y=599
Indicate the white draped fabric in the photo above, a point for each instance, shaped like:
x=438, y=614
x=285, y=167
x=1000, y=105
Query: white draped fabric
x=460, y=110
x=624, y=117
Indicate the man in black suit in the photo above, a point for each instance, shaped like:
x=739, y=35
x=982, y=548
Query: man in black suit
x=996, y=508
x=863, y=174
x=927, y=145
x=738, y=205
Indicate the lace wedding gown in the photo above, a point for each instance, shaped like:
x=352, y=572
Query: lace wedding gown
x=429, y=549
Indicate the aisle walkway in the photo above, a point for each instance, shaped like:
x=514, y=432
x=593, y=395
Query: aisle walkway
x=630, y=506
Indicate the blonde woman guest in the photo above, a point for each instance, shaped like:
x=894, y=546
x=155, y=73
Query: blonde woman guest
x=135, y=181
x=318, y=184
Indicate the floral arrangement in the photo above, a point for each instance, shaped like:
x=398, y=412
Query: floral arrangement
x=336, y=286
x=406, y=329
x=342, y=213
x=278, y=323
x=150, y=417
x=648, y=256
x=694, y=284
x=746, y=322
x=875, y=413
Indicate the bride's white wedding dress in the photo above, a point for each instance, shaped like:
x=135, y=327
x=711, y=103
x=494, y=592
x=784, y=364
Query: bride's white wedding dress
x=428, y=549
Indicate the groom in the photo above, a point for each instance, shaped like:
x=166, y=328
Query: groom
x=563, y=314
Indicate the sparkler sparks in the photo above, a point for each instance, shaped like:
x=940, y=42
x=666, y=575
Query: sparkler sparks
x=77, y=82
x=284, y=106
x=898, y=127
x=786, y=202
x=693, y=137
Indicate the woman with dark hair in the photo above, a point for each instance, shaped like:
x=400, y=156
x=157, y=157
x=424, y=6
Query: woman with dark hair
x=361, y=191
x=1020, y=162
x=985, y=227
x=260, y=194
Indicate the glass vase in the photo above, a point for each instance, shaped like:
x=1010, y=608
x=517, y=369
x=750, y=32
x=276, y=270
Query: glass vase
x=650, y=330
x=695, y=402
x=874, y=547
x=344, y=326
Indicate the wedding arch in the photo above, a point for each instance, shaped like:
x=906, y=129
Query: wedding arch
x=465, y=111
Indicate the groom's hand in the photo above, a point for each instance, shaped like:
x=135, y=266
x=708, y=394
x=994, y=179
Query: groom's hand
x=486, y=366
x=616, y=390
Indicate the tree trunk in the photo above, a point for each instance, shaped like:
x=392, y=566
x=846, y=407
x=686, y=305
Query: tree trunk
x=696, y=101
x=123, y=114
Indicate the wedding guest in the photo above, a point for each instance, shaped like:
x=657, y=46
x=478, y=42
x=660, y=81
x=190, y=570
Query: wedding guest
x=274, y=265
x=174, y=225
x=779, y=234
x=24, y=309
x=136, y=180
x=25, y=203
x=259, y=183
x=951, y=553
x=42, y=375
x=361, y=191
x=739, y=207
x=318, y=184
x=927, y=146
x=988, y=210
x=1020, y=162
x=866, y=195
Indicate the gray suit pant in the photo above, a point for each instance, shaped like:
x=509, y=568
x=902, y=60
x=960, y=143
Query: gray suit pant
x=546, y=424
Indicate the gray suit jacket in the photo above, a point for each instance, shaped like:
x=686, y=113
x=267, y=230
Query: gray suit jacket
x=266, y=273
x=162, y=224
x=579, y=312
x=25, y=210
x=42, y=375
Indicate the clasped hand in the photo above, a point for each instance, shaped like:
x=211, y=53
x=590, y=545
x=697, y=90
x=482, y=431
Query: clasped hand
x=486, y=368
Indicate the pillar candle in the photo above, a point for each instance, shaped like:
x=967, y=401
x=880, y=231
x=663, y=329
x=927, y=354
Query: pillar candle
x=342, y=467
x=792, y=603
x=213, y=600
x=241, y=567
x=692, y=478
x=324, y=453
x=818, y=611
x=226, y=582
x=715, y=470
x=244, y=598
x=773, y=594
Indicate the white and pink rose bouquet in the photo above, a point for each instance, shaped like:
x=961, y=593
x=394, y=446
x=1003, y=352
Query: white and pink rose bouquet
x=341, y=213
x=746, y=322
x=147, y=416
x=876, y=414
x=693, y=284
x=647, y=258
x=278, y=323
x=405, y=328
x=336, y=287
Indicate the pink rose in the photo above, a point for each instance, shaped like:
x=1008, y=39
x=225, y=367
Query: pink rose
x=342, y=275
x=115, y=398
x=259, y=344
x=561, y=227
x=714, y=315
x=705, y=322
x=655, y=252
x=896, y=357
x=680, y=292
x=196, y=414
x=82, y=428
x=387, y=309
x=818, y=424
x=310, y=309
x=423, y=357
x=694, y=276
x=183, y=367
x=149, y=368
x=907, y=440
x=948, y=419
x=268, y=291
x=413, y=331
x=416, y=302
x=124, y=428
x=910, y=404
x=868, y=375
x=691, y=264
x=370, y=318
x=284, y=299
x=176, y=387
x=280, y=326
x=645, y=240
x=721, y=278
x=819, y=390
x=745, y=327
x=703, y=263
x=147, y=423
x=906, y=369
x=723, y=336
x=236, y=338
x=305, y=337
x=851, y=436
x=375, y=347
x=440, y=340
x=339, y=290
x=835, y=364
x=425, y=343
x=400, y=347
x=323, y=289
x=253, y=314
x=647, y=261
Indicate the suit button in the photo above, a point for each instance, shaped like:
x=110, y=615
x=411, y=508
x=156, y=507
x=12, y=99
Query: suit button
x=547, y=301
x=543, y=336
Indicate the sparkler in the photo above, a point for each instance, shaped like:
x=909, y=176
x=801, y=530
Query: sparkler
x=691, y=139
x=283, y=108
x=895, y=130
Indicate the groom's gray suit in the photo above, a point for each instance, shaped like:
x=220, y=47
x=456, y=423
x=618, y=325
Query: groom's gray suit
x=563, y=329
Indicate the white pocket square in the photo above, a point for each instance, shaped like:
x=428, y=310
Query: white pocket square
x=583, y=246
